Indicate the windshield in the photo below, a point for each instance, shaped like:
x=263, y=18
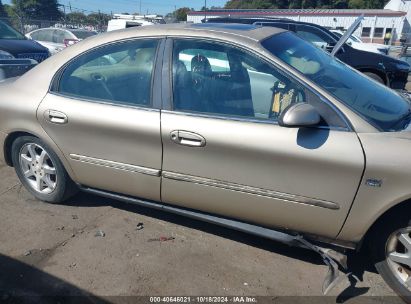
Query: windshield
x=7, y=32
x=379, y=105
x=84, y=34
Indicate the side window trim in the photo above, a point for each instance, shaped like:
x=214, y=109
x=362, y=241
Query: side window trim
x=155, y=102
x=168, y=96
x=167, y=76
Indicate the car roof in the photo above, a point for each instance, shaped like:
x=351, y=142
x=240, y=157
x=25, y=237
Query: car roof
x=250, y=20
x=212, y=30
x=79, y=30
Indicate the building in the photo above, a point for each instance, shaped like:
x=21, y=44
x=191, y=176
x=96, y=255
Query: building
x=394, y=18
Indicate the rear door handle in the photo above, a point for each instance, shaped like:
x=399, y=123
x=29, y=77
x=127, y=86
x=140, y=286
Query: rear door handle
x=186, y=138
x=56, y=117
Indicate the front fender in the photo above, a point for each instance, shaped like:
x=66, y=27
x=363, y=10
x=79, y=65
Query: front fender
x=387, y=161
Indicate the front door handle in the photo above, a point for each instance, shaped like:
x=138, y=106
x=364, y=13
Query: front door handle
x=186, y=138
x=56, y=117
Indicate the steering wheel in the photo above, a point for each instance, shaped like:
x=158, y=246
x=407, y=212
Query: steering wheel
x=101, y=81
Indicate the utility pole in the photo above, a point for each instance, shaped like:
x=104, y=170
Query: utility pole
x=205, y=10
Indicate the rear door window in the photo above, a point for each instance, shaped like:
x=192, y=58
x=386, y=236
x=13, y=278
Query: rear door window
x=119, y=73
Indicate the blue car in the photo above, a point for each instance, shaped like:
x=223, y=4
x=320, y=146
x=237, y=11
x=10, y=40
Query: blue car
x=14, y=45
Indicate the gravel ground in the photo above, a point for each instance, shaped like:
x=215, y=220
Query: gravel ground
x=48, y=250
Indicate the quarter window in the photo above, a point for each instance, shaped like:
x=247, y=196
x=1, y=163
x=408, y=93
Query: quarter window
x=119, y=73
x=218, y=79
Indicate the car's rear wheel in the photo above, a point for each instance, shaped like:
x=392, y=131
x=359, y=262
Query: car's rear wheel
x=374, y=76
x=40, y=170
x=391, y=249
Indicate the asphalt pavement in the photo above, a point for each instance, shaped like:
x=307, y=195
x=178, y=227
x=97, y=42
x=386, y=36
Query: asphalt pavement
x=103, y=249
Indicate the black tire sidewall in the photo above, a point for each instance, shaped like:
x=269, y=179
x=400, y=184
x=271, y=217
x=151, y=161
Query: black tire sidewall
x=60, y=193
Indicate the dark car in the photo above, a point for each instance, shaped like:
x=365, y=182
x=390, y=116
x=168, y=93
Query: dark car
x=14, y=45
x=390, y=71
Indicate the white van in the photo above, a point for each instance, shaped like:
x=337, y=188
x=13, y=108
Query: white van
x=121, y=21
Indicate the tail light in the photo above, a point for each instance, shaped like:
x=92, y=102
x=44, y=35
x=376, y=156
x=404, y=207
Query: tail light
x=68, y=42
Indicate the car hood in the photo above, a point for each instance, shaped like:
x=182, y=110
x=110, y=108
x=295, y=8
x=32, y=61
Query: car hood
x=21, y=46
x=385, y=62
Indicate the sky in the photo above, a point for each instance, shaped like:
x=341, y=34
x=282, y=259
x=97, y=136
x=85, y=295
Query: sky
x=132, y=6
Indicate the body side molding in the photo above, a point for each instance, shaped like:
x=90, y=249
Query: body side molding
x=115, y=165
x=251, y=190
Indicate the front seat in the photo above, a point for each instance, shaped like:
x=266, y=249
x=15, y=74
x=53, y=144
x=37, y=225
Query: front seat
x=201, y=78
x=238, y=95
x=183, y=91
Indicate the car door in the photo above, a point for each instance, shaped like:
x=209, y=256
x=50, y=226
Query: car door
x=225, y=153
x=103, y=113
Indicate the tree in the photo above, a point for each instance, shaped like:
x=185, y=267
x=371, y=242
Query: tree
x=3, y=13
x=37, y=9
x=76, y=18
x=356, y=3
x=181, y=13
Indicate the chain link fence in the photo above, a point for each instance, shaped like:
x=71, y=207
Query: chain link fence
x=27, y=25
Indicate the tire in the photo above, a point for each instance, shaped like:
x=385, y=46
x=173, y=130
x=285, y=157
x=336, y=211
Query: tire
x=40, y=170
x=382, y=243
x=375, y=77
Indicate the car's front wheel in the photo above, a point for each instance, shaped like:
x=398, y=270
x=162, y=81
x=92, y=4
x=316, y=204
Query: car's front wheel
x=40, y=170
x=391, y=247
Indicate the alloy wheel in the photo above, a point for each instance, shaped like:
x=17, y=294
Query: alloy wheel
x=38, y=168
x=398, y=255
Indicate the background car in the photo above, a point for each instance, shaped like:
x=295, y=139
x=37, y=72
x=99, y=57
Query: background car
x=384, y=69
x=56, y=39
x=121, y=21
x=358, y=44
x=14, y=45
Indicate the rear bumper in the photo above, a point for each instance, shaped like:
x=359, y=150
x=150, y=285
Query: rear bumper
x=3, y=137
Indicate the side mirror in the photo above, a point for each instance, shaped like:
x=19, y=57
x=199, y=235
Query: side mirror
x=299, y=115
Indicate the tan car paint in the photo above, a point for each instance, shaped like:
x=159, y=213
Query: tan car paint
x=114, y=133
x=264, y=156
x=389, y=160
x=21, y=98
x=18, y=107
x=2, y=140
